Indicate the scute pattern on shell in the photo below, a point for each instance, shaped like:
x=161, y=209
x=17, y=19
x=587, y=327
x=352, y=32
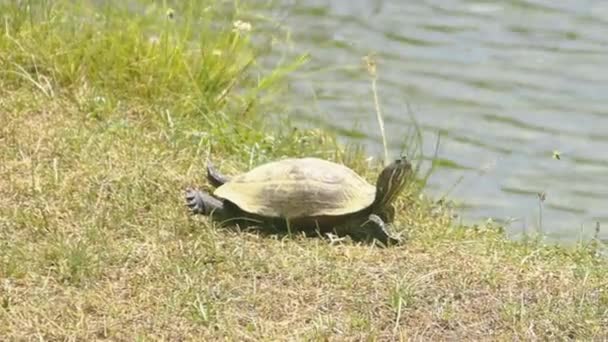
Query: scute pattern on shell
x=304, y=187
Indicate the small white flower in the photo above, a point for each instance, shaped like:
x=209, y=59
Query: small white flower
x=99, y=99
x=241, y=26
x=153, y=40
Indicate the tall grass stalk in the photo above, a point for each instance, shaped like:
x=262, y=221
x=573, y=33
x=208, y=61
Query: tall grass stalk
x=541, y=198
x=371, y=69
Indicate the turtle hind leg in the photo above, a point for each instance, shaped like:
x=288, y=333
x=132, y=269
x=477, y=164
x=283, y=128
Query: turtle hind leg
x=214, y=176
x=203, y=203
x=377, y=229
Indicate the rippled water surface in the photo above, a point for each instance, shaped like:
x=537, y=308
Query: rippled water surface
x=506, y=82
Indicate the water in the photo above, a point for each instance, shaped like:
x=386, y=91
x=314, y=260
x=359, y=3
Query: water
x=506, y=82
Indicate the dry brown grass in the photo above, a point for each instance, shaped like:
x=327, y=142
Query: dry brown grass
x=96, y=243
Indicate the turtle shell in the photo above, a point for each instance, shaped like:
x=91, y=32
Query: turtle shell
x=293, y=188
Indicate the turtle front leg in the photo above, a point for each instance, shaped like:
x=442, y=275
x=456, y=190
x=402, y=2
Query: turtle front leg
x=203, y=203
x=377, y=229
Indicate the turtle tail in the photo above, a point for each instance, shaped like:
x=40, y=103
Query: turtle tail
x=214, y=176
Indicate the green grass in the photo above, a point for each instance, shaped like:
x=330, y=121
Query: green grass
x=107, y=116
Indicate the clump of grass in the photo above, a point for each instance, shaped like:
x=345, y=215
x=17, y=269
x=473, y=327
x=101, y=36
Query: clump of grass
x=101, y=129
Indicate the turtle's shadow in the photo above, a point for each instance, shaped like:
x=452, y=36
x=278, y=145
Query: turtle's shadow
x=277, y=229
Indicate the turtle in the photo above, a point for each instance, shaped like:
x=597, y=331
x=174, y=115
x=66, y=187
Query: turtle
x=303, y=193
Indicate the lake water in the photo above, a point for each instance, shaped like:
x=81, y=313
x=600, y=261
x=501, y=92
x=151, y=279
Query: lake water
x=506, y=82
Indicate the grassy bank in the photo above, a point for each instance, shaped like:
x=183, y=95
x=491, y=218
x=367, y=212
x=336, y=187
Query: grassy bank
x=106, y=116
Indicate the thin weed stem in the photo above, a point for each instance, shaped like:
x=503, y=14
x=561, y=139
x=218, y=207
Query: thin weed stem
x=541, y=198
x=371, y=69
x=380, y=119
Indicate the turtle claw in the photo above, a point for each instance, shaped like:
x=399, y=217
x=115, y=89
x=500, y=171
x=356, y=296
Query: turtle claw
x=202, y=203
x=194, y=201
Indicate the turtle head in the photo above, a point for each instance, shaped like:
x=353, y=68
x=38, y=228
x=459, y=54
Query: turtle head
x=391, y=182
